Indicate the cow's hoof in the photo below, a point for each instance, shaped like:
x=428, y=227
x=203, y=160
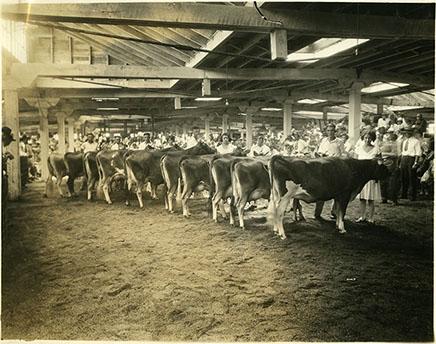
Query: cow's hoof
x=111, y=203
x=342, y=231
x=283, y=237
x=171, y=211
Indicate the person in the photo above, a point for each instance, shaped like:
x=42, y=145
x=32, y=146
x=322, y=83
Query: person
x=410, y=154
x=330, y=146
x=383, y=121
x=117, y=145
x=390, y=186
x=192, y=138
x=371, y=192
x=301, y=147
x=420, y=124
x=171, y=142
x=259, y=149
x=288, y=148
x=226, y=147
x=25, y=154
x=7, y=139
x=89, y=145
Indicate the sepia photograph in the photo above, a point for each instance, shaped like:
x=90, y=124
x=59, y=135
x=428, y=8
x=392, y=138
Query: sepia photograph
x=226, y=171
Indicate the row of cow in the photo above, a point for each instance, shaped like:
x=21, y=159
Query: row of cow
x=239, y=179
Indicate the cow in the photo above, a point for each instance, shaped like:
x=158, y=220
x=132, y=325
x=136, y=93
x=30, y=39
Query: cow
x=142, y=167
x=56, y=168
x=70, y=165
x=110, y=165
x=90, y=171
x=319, y=180
x=169, y=164
x=194, y=176
x=250, y=182
x=221, y=185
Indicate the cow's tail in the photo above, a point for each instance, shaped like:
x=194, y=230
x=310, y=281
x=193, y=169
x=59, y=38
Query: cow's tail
x=99, y=189
x=166, y=177
x=212, y=185
x=49, y=181
x=235, y=182
x=272, y=205
x=180, y=181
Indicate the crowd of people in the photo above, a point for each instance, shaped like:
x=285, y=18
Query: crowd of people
x=401, y=140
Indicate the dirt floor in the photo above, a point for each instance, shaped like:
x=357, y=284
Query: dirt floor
x=73, y=269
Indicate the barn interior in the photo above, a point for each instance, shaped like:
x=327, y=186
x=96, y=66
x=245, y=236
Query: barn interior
x=233, y=66
x=124, y=66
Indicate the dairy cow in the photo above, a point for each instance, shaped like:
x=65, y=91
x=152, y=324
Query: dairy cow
x=319, y=180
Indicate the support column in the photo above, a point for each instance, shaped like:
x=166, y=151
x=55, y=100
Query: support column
x=185, y=130
x=10, y=119
x=379, y=109
x=287, y=118
x=206, y=127
x=177, y=130
x=43, y=133
x=324, y=115
x=225, y=123
x=355, y=116
x=249, y=130
x=279, y=45
x=70, y=121
x=61, y=132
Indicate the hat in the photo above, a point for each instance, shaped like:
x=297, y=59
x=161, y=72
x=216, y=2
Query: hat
x=92, y=134
x=7, y=132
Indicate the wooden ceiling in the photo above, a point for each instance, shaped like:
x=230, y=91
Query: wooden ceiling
x=226, y=37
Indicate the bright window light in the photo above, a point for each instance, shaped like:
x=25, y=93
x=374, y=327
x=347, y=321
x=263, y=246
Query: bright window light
x=189, y=107
x=324, y=47
x=311, y=101
x=271, y=109
x=207, y=99
x=381, y=86
x=402, y=108
x=13, y=38
x=308, y=113
x=102, y=99
x=107, y=109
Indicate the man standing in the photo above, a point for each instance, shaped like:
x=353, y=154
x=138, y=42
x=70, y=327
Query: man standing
x=259, y=149
x=330, y=146
x=410, y=154
x=89, y=145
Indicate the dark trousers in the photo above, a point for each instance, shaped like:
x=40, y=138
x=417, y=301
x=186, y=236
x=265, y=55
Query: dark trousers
x=390, y=186
x=24, y=163
x=409, y=180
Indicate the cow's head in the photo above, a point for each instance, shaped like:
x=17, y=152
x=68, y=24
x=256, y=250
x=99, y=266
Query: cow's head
x=203, y=148
x=383, y=167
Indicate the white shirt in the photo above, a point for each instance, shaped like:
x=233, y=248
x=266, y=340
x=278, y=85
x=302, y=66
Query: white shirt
x=190, y=142
x=228, y=149
x=256, y=150
x=411, y=147
x=89, y=147
x=383, y=122
x=115, y=146
x=333, y=148
x=363, y=154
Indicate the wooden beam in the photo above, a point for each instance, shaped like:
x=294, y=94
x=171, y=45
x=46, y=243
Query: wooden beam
x=26, y=73
x=71, y=49
x=78, y=83
x=222, y=17
x=279, y=45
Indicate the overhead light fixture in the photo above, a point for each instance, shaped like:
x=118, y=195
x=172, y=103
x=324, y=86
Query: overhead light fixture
x=324, y=47
x=207, y=99
x=308, y=113
x=107, y=109
x=271, y=109
x=311, y=101
x=381, y=86
x=103, y=99
x=227, y=102
x=189, y=107
x=243, y=114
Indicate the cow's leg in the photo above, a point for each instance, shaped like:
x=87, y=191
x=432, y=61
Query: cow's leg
x=318, y=209
x=127, y=191
x=340, y=208
x=185, y=197
x=48, y=183
x=153, y=191
x=232, y=212
x=298, y=210
x=165, y=196
x=139, y=195
x=105, y=187
x=170, y=195
x=280, y=213
x=240, y=205
x=70, y=186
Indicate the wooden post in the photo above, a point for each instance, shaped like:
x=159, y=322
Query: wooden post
x=61, y=132
x=70, y=121
x=43, y=133
x=379, y=109
x=287, y=118
x=185, y=130
x=10, y=119
x=205, y=87
x=249, y=130
x=125, y=127
x=324, y=115
x=279, y=45
x=70, y=46
x=177, y=130
x=355, y=116
x=177, y=103
x=207, y=127
x=52, y=50
x=225, y=123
